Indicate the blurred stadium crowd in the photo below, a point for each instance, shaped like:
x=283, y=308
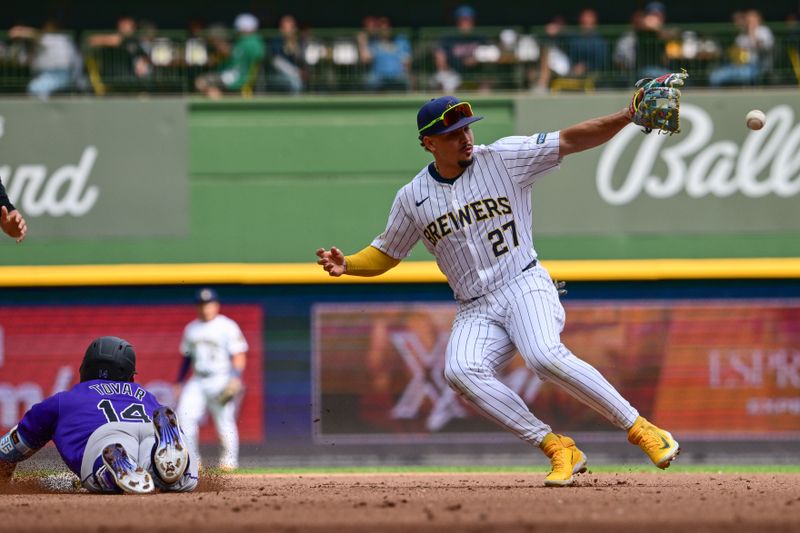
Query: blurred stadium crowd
x=245, y=58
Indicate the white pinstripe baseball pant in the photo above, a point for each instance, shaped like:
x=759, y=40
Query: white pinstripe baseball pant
x=527, y=314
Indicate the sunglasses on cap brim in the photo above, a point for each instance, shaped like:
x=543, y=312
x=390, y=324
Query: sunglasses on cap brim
x=451, y=115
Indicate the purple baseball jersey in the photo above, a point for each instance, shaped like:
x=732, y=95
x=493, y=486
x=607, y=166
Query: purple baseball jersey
x=69, y=418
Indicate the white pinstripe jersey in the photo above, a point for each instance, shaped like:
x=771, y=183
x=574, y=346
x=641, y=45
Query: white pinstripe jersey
x=211, y=344
x=478, y=226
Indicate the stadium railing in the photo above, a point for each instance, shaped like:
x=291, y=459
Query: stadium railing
x=508, y=58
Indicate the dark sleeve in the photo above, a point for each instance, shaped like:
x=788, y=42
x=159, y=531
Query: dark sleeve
x=4, y=199
x=276, y=46
x=184, y=369
x=39, y=423
x=134, y=48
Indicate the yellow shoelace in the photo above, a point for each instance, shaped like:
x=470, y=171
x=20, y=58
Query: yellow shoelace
x=651, y=438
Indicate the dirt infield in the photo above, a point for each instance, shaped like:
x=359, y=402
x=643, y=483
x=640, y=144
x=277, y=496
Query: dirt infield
x=418, y=503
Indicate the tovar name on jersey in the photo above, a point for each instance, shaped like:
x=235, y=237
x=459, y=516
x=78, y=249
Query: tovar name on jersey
x=469, y=214
x=110, y=389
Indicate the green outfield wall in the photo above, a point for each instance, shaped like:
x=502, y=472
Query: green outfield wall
x=269, y=181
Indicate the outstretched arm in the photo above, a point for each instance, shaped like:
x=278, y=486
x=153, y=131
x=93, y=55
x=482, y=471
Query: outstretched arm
x=108, y=39
x=593, y=132
x=23, y=32
x=367, y=263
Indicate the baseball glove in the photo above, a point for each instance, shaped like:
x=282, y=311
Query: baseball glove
x=231, y=390
x=656, y=103
x=561, y=287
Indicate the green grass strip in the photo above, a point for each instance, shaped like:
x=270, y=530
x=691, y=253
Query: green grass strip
x=604, y=469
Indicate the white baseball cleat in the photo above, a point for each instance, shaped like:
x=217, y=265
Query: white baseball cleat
x=170, y=454
x=128, y=476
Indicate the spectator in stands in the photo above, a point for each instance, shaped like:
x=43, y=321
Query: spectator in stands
x=148, y=32
x=455, y=55
x=370, y=27
x=751, y=54
x=241, y=66
x=553, y=61
x=195, y=33
x=219, y=44
x=587, y=49
x=793, y=26
x=287, y=56
x=196, y=51
x=571, y=55
x=651, y=39
x=128, y=60
x=625, y=48
x=56, y=64
x=792, y=40
x=388, y=55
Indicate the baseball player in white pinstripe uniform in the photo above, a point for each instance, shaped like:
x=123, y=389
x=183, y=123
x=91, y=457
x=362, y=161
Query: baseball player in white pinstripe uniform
x=471, y=207
x=215, y=349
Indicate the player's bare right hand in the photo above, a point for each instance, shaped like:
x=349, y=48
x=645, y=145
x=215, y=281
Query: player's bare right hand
x=332, y=261
x=13, y=224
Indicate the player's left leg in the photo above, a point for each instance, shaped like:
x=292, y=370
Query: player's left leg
x=224, y=417
x=534, y=320
x=164, y=453
x=191, y=407
x=476, y=350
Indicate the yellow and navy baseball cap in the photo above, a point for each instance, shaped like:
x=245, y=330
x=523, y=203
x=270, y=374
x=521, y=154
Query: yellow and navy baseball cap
x=443, y=115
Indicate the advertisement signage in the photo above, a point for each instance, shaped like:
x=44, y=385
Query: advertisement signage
x=80, y=169
x=717, y=368
x=41, y=348
x=714, y=177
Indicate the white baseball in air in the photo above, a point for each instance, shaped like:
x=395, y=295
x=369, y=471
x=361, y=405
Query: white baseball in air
x=755, y=119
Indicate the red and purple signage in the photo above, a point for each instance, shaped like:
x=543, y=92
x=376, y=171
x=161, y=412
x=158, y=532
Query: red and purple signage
x=41, y=348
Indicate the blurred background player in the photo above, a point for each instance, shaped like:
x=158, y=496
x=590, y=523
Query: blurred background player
x=109, y=431
x=11, y=220
x=215, y=348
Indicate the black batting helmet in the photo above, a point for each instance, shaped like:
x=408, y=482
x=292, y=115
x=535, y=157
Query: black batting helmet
x=109, y=358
